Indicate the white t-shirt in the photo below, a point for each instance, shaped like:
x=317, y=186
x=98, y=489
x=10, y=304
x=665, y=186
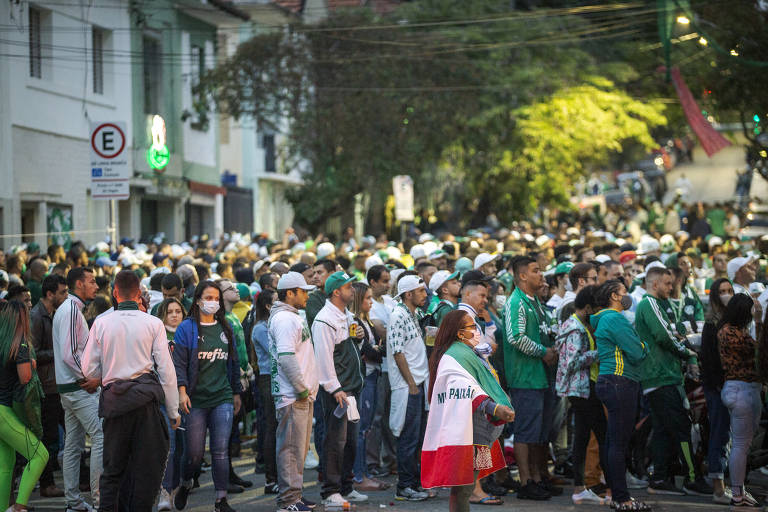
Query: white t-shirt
x=289, y=334
x=381, y=311
x=404, y=336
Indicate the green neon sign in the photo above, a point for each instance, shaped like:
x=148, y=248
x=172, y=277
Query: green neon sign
x=158, y=155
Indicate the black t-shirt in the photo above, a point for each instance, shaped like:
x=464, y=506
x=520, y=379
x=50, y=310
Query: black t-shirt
x=9, y=376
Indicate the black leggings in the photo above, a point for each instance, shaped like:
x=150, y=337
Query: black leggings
x=588, y=416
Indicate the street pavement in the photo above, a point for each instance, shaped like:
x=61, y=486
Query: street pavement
x=714, y=179
x=254, y=500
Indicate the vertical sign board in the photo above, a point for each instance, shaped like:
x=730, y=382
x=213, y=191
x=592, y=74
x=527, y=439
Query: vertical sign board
x=110, y=172
x=402, y=187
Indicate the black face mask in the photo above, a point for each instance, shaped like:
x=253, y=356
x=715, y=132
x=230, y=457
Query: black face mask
x=626, y=302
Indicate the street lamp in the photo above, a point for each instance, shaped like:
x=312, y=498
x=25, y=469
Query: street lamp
x=683, y=20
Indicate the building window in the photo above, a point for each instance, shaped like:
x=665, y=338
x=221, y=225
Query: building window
x=268, y=143
x=152, y=76
x=97, y=37
x=35, y=44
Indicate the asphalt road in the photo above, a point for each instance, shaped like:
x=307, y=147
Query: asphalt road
x=254, y=500
x=714, y=179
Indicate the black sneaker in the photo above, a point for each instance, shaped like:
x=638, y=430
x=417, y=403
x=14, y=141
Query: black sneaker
x=492, y=488
x=533, y=491
x=698, y=487
x=664, y=487
x=309, y=504
x=180, y=500
x=234, y=489
x=299, y=506
x=271, y=488
x=222, y=506
x=234, y=479
x=551, y=488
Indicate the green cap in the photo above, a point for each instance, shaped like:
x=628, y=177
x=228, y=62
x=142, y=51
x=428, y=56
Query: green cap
x=244, y=291
x=563, y=268
x=336, y=281
x=463, y=264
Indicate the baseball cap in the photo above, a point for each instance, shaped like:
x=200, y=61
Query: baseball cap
x=437, y=254
x=293, y=280
x=243, y=290
x=602, y=258
x=463, y=264
x=563, y=268
x=325, y=250
x=373, y=260
x=336, y=281
x=408, y=284
x=627, y=256
x=105, y=261
x=483, y=258
x=417, y=252
x=474, y=275
x=735, y=264
x=756, y=287
x=158, y=258
x=441, y=277
x=653, y=264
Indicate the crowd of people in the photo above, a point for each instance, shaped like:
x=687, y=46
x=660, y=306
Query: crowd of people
x=564, y=353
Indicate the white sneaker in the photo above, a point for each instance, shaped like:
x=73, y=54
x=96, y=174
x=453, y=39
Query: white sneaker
x=635, y=483
x=164, y=503
x=723, y=499
x=587, y=496
x=335, y=500
x=311, y=462
x=356, y=496
x=83, y=506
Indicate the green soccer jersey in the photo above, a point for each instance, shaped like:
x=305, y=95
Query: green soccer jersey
x=212, y=387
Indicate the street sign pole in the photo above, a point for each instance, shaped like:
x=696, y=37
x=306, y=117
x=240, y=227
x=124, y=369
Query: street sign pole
x=112, y=225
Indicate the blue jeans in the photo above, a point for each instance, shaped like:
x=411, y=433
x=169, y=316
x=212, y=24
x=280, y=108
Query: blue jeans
x=743, y=402
x=173, y=466
x=719, y=426
x=619, y=395
x=367, y=407
x=219, y=421
x=409, y=441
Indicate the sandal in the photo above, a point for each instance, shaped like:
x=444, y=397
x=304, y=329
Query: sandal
x=631, y=506
x=488, y=500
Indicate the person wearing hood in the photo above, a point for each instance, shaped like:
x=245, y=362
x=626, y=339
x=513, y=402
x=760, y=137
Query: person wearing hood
x=294, y=387
x=620, y=352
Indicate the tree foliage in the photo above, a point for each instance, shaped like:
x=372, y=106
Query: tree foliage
x=512, y=105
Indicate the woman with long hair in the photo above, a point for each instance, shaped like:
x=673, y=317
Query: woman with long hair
x=17, y=366
x=171, y=312
x=267, y=423
x=208, y=374
x=371, y=350
x=712, y=380
x=620, y=353
x=741, y=358
x=467, y=411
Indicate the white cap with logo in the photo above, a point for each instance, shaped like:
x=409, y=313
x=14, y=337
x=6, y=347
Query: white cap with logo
x=408, y=284
x=293, y=280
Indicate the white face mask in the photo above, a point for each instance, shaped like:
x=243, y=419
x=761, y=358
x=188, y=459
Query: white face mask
x=500, y=301
x=209, y=307
x=725, y=298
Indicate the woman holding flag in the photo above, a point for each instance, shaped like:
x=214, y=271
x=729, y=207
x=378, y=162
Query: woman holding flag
x=467, y=411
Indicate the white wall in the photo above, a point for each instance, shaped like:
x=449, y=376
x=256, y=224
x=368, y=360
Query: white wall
x=199, y=146
x=46, y=121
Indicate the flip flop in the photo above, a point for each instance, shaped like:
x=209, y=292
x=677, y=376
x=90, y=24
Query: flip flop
x=487, y=501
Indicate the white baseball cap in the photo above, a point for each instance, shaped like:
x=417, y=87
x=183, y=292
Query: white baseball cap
x=483, y=258
x=417, y=251
x=372, y=260
x=602, y=258
x=324, y=250
x=440, y=277
x=408, y=284
x=292, y=280
x=735, y=265
x=756, y=287
x=653, y=264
